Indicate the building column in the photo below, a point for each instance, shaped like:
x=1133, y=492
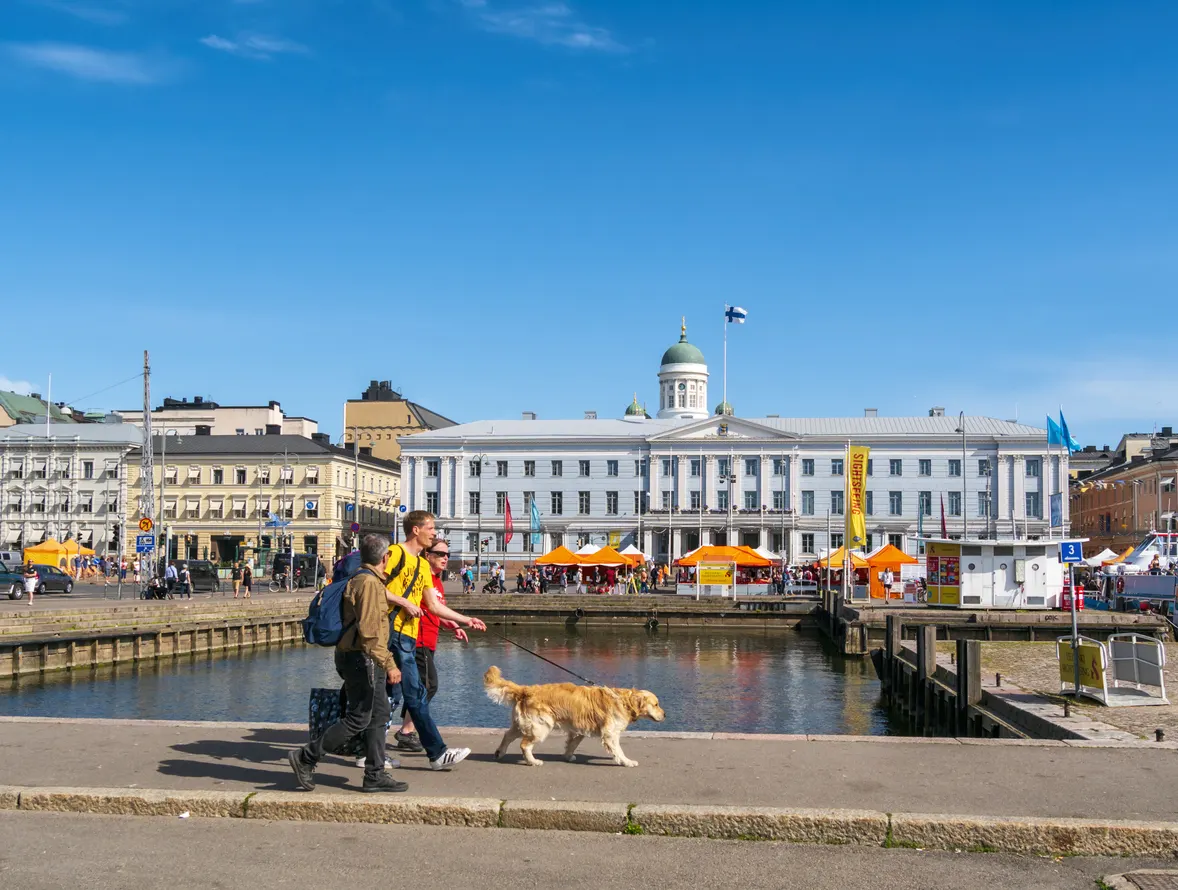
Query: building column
x=709, y=483
x=655, y=470
x=460, y=487
x=1003, y=484
x=1018, y=492
x=676, y=545
x=445, y=486
x=681, y=482
x=418, y=484
x=795, y=470
x=766, y=481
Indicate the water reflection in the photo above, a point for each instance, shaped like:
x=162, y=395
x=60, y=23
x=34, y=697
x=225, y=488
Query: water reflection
x=708, y=680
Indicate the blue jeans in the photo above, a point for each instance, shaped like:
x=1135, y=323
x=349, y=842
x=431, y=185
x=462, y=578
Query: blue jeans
x=404, y=649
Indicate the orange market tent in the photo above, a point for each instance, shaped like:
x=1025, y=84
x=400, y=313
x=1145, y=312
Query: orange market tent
x=886, y=557
x=741, y=555
x=606, y=556
x=837, y=560
x=49, y=552
x=1121, y=558
x=561, y=556
x=71, y=547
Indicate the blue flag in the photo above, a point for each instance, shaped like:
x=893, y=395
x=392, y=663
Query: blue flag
x=1054, y=433
x=535, y=524
x=1067, y=440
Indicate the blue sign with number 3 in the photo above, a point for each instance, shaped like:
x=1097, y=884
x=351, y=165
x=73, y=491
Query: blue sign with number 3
x=1071, y=551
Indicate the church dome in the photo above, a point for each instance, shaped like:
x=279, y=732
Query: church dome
x=683, y=353
x=724, y=409
x=636, y=410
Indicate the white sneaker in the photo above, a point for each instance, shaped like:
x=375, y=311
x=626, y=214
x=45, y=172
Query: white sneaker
x=389, y=762
x=450, y=757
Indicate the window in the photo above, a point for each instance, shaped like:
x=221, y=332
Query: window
x=983, y=503
x=38, y=469
x=240, y=431
x=722, y=499
x=641, y=502
x=750, y=500
x=807, y=542
x=500, y=503
x=724, y=467
x=836, y=541
x=925, y=467
x=611, y=468
x=500, y=544
x=169, y=509
x=779, y=500
x=870, y=466
x=836, y=503
x=286, y=474
x=472, y=541
x=239, y=509
x=895, y=503
x=779, y=466
x=924, y=502
x=1033, y=467
x=836, y=466
x=666, y=466
x=501, y=468
x=529, y=497
x=312, y=508
x=954, y=503
x=431, y=502
x=264, y=475
x=751, y=466
x=955, y=467
x=170, y=475
x=807, y=466
x=583, y=468
x=258, y=431
x=239, y=475
x=1034, y=505
x=694, y=499
x=86, y=502
x=217, y=508
x=218, y=476
x=666, y=500
x=611, y=503
x=557, y=468
x=895, y=467
x=474, y=498
x=640, y=468
x=557, y=503
x=18, y=469
x=476, y=467
x=529, y=468
x=583, y=503
x=896, y=541
x=88, y=469
x=433, y=468
x=869, y=504
x=984, y=467
x=696, y=466
x=807, y=503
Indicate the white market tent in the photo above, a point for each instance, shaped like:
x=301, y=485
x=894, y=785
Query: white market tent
x=634, y=551
x=588, y=550
x=767, y=553
x=1100, y=557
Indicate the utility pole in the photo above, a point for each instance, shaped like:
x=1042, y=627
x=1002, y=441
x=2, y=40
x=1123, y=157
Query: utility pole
x=147, y=461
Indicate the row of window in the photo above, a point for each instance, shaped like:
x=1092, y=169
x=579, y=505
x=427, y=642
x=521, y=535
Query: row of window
x=62, y=503
x=924, y=467
x=40, y=469
x=924, y=503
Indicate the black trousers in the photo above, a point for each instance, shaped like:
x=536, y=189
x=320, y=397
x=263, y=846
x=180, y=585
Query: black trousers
x=367, y=713
x=428, y=671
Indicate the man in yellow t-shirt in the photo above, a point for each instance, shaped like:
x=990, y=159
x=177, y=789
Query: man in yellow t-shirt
x=409, y=591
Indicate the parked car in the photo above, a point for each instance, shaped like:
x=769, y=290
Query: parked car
x=51, y=579
x=11, y=557
x=204, y=575
x=308, y=563
x=12, y=579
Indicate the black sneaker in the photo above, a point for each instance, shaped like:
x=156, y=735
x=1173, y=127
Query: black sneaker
x=304, y=772
x=383, y=782
x=408, y=741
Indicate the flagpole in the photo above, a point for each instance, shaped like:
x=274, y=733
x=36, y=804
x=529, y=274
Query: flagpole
x=725, y=394
x=846, y=519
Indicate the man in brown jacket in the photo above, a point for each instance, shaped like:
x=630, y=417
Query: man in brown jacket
x=363, y=661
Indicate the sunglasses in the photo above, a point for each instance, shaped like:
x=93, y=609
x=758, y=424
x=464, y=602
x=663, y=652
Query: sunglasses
x=445, y=553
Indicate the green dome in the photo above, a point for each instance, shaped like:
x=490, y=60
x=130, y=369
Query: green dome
x=724, y=409
x=636, y=410
x=683, y=353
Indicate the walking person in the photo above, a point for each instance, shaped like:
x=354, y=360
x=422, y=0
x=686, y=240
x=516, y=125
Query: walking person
x=185, y=581
x=171, y=577
x=247, y=580
x=364, y=663
x=30, y=581
x=411, y=585
x=235, y=575
x=437, y=557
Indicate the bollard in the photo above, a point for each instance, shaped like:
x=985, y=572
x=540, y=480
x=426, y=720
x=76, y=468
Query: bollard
x=1067, y=708
x=1159, y=734
x=969, y=681
x=997, y=679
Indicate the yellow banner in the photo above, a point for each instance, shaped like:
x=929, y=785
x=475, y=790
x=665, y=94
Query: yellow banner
x=1091, y=667
x=716, y=574
x=615, y=538
x=856, y=527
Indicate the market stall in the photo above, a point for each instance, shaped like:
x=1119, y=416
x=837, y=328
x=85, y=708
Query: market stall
x=722, y=570
x=888, y=558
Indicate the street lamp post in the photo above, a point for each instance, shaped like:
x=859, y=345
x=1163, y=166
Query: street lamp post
x=961, y=429
x=478, y=559
x=172, y=431
x=286, y=458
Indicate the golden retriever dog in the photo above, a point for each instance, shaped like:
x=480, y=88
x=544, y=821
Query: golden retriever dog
x=578, y=710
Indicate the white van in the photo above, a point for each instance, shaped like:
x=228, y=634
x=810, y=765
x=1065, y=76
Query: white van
x=11, y=557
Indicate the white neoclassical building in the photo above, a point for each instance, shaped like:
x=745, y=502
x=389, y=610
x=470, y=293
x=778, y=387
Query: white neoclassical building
x=689, y=476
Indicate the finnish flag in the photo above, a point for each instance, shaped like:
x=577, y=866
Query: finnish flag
x=735, y=314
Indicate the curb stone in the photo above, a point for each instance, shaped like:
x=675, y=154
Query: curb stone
x=764, y=823
x=565, y=815
x=132, y=801
x=9, y=797
x=1082, y=837
x=298, y=806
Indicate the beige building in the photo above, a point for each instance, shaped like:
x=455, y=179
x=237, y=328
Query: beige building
x=220, y=497
x=211, y=418
x=381, y=416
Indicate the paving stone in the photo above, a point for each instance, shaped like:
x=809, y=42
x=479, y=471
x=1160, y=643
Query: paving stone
x=768, y=823
x=471, y=812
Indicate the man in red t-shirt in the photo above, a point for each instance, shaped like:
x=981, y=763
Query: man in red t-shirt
x=427, y=641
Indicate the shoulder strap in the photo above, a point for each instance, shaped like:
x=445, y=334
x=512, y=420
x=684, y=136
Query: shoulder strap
x=408, y=588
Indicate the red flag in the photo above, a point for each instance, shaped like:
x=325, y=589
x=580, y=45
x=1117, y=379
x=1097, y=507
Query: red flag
x=944, y=530
x=508, y=527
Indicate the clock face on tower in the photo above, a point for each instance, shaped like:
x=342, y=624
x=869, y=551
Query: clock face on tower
x=682, y=386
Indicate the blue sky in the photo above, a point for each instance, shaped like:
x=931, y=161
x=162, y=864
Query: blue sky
x=503, y=205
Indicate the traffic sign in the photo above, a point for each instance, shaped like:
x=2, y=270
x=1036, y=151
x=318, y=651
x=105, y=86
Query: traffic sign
x=402, y=509
x=1071, y=551
x=144, y=543
x=355, y=526
x=349, y=508
x=145, y=524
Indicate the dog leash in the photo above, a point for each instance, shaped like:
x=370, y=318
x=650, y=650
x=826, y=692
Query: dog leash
x=541, y=657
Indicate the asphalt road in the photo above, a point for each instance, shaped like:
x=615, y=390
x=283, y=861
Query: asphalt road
x=50, y=851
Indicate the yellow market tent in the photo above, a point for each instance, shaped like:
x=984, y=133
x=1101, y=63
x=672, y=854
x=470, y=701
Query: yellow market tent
x=741, y=555
x=1119, y=559
x=838, y=559
x=561, y=556
x=71, y=547
x=49, y=552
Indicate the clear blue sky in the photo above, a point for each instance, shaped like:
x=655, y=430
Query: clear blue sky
x=504, y=205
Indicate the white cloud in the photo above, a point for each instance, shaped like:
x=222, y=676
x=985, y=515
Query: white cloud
x=254, y=46
x=87, y=63
x=99, y=15
x=550, y=24
x=21, y=387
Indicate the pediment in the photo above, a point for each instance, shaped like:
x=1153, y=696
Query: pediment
x=724, y=429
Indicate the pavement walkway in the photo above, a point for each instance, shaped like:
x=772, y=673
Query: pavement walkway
x=1007, y=778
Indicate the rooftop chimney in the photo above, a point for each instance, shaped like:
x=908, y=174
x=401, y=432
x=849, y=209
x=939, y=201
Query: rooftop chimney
x=936, y=411
x=529, y=415
x=202, y=430
x=1167, y=431
x=321, y=438
x=273, y=429
x=589, y=415
x=871, y=412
